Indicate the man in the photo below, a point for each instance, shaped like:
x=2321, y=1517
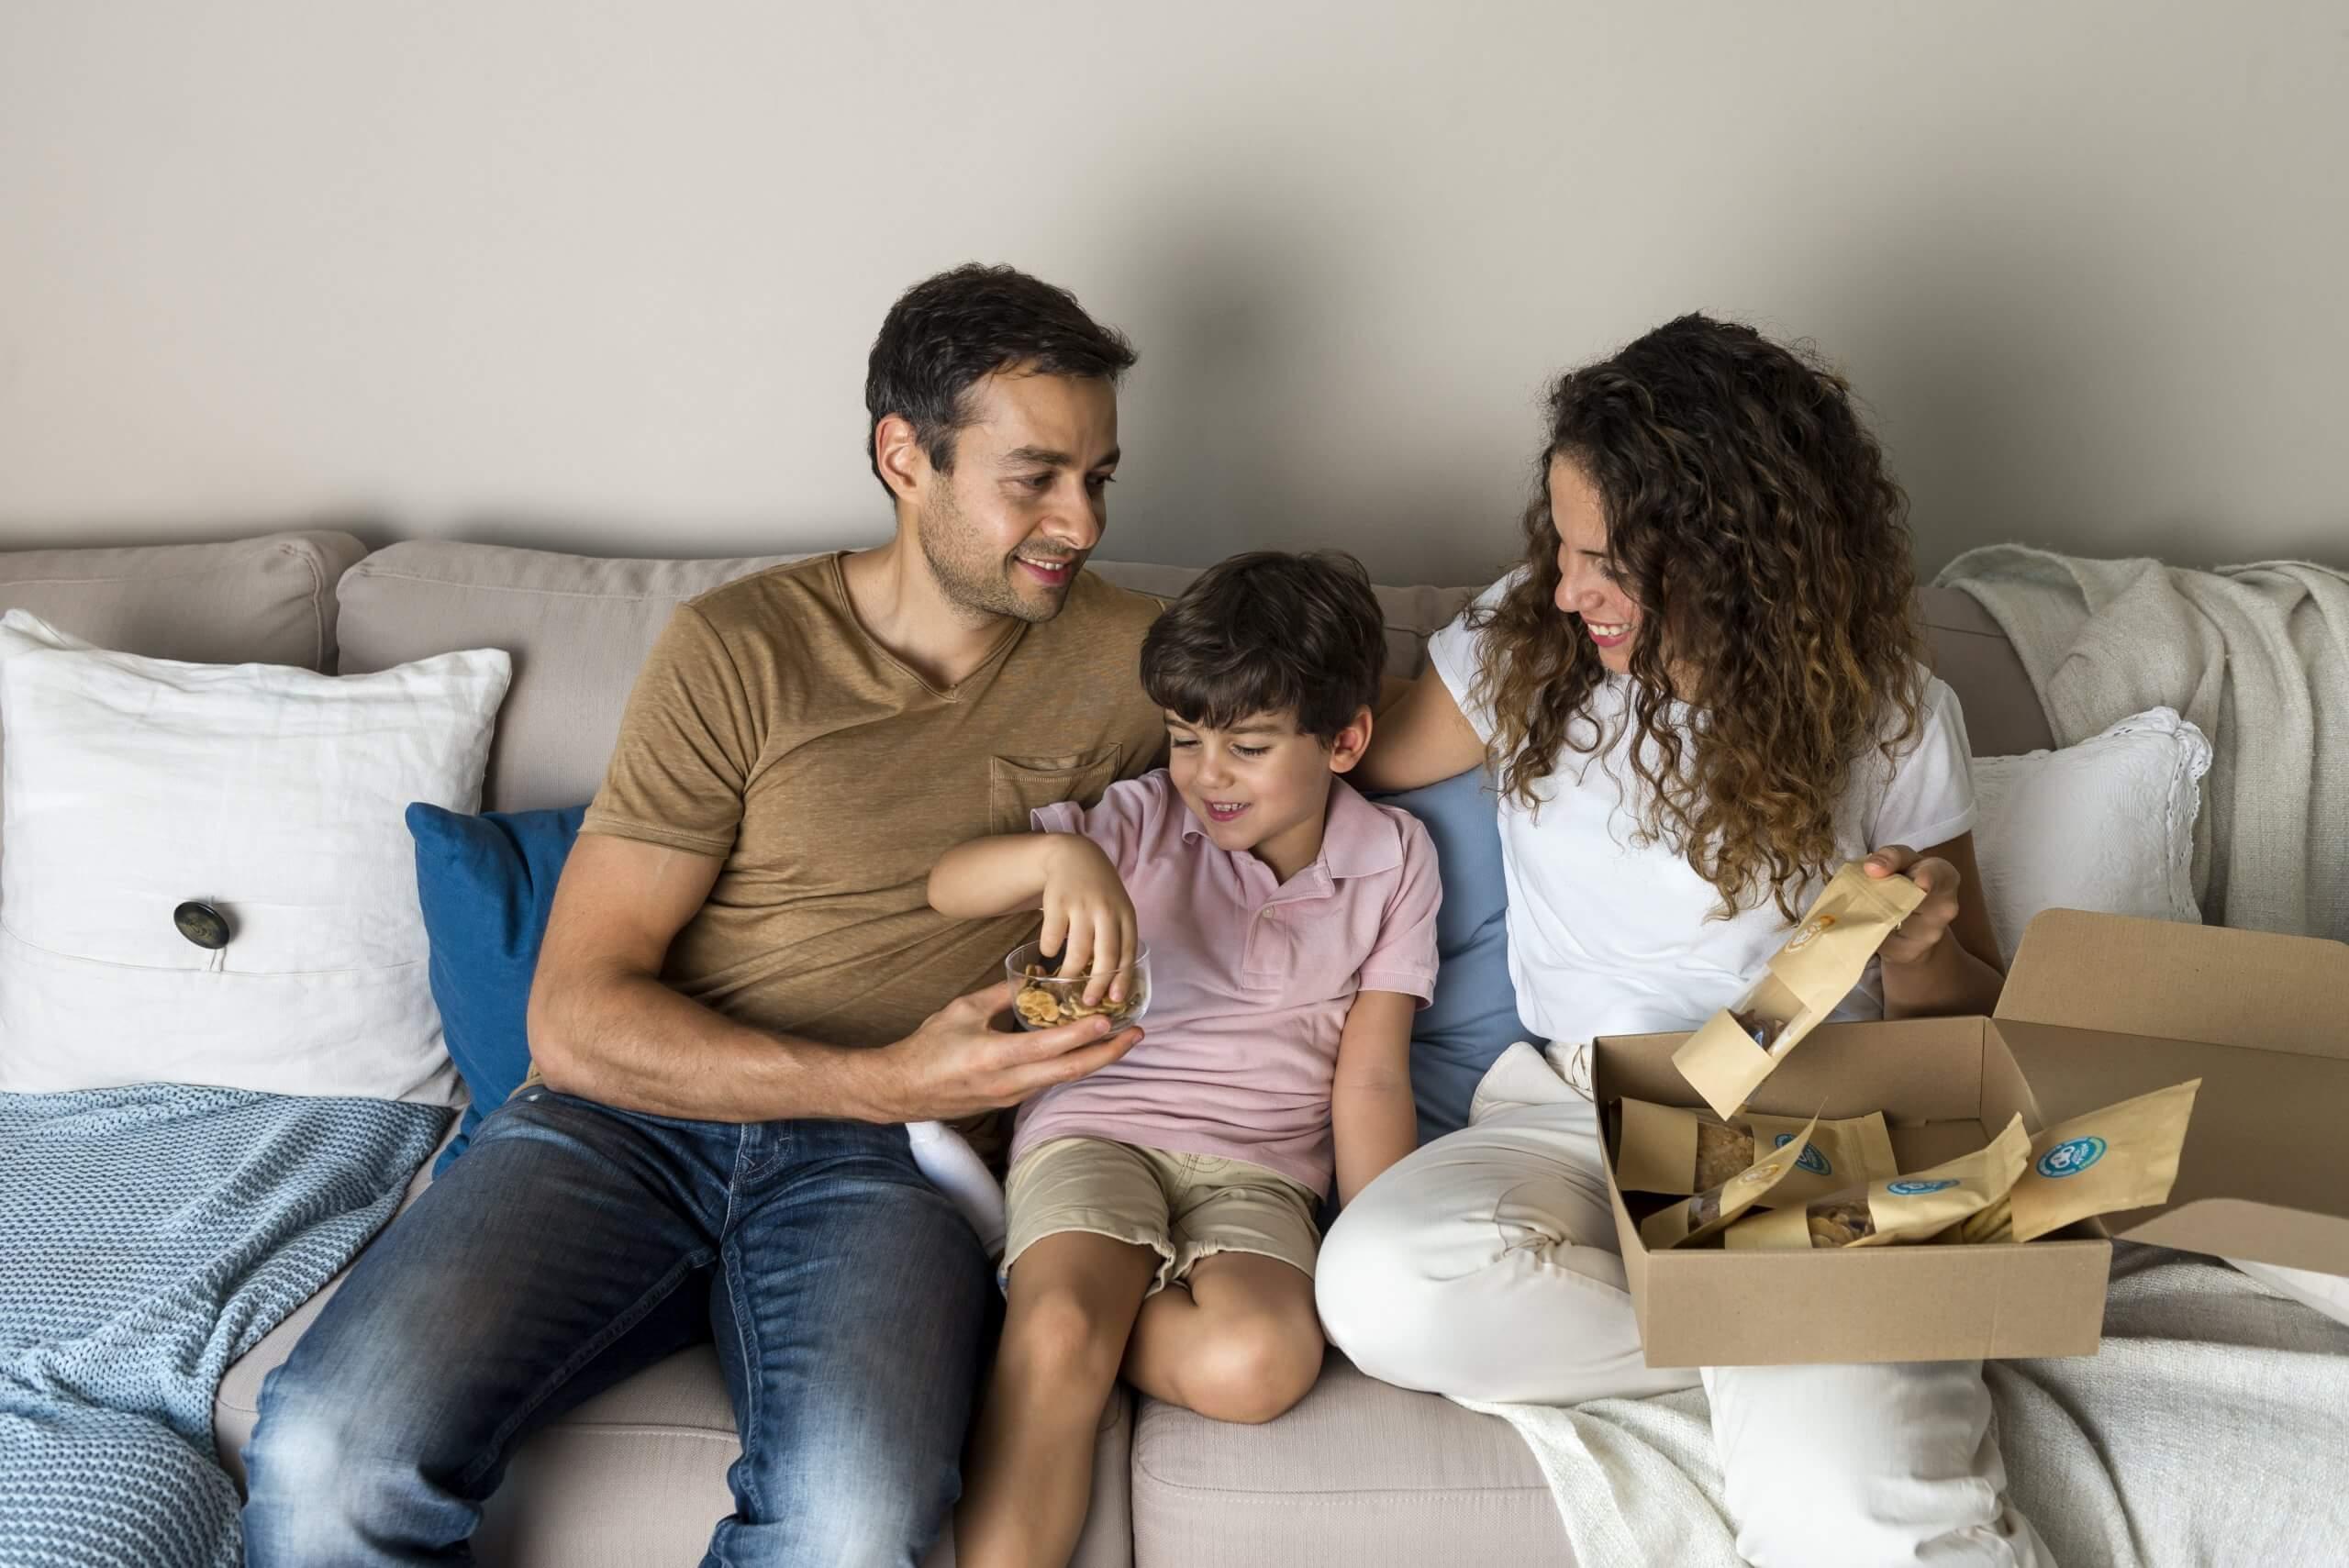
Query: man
x=743, y=993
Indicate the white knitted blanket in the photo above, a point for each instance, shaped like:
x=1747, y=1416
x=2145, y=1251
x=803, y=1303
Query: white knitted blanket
x=2213, y=1428
x=2256, y=656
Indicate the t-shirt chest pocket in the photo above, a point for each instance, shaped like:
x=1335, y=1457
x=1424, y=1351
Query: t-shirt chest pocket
x=1017, y=785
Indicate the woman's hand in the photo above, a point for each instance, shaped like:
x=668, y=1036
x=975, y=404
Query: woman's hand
x=1914, y=940
x=1089, y=918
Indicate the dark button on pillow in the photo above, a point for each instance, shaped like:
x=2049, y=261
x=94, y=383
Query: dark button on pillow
x=202, y=924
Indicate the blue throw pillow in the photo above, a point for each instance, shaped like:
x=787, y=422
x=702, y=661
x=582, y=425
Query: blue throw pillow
x=486, y=884
x=1472, y=1019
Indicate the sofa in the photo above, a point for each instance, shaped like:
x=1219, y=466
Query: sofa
x=1360, y=1472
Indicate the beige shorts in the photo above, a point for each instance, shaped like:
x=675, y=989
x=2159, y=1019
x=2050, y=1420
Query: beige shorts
x=1183, y=1206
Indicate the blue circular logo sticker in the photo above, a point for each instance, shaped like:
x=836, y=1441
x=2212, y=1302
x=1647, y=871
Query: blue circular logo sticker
x=1912, y=1189
x=1810, y=1159
x=2071, y=1157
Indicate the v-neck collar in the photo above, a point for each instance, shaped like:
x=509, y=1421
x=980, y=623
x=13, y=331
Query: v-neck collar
x=1004, y=645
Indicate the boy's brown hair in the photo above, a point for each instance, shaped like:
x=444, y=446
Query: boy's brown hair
x=1270, y=632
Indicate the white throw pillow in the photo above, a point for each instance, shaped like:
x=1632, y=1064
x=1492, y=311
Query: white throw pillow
x=274, y=794
x=2106, y=825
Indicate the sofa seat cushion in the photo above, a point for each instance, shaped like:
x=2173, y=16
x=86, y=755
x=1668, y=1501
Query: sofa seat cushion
x=1361, y=1472
x=636, y=1474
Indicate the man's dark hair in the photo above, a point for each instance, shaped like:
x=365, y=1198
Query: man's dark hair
x=947, y=333
x=1270, y=632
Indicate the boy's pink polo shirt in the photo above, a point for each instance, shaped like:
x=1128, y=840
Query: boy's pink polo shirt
x=1250, y=978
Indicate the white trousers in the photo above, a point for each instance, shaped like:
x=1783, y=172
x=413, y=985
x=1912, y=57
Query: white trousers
x=1485, y=1266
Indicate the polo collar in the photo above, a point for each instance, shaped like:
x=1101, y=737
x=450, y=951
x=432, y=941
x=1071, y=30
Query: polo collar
x=1356, y=840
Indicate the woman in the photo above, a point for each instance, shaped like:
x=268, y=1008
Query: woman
x=1700, y=695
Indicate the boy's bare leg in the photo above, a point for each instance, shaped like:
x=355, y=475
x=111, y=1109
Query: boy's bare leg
x=1242, y=1343
x=1030, y=1476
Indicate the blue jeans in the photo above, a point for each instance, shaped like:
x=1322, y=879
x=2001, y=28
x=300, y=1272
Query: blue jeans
x=573, y=1244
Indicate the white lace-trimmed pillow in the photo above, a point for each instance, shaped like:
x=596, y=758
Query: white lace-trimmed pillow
x=2105, y=824
x=273, y=794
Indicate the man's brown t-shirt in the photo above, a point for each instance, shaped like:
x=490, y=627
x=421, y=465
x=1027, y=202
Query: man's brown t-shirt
x=770, y=729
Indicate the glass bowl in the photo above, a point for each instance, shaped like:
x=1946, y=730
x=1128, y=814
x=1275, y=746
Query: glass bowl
x=1042, y=1000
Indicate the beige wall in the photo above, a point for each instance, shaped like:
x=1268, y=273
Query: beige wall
x=603, y=276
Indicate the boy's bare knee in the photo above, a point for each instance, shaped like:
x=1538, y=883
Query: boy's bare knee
x=1256, y=1368
x=1062, y=1344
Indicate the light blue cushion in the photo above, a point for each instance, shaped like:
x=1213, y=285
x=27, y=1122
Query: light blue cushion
x=1473, y=1018
x=486, y=884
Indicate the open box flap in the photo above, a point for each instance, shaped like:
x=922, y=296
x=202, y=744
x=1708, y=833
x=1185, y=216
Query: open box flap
x=2100, y=1008
x=2118, y=974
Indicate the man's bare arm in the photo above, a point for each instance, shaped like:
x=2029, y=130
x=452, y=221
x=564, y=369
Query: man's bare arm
x=604, y=1027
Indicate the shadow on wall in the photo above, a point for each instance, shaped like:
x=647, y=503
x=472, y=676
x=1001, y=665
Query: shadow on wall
x=371, y=529
x=1986, y=375
x=652, y=539
x=1228, y=440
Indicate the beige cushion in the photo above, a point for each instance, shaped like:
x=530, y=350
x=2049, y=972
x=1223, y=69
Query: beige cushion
x=1359, y=1474
x=2003, y=717
x=636, y=1474
x=259, y=601
x=577, y=626
x=1964, y=645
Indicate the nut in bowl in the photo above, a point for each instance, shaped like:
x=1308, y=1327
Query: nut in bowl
x=1042, y=999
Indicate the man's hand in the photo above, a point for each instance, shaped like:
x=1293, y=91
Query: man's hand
x=1089, y=918
x=958, y=1064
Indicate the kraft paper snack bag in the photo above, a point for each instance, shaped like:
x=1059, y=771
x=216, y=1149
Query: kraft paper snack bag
x=2124, y=1156
x=1743, y=1043
x=1701, y=1218
x=1906, y=1208
x=1664, y=1149
x=1848, y=1151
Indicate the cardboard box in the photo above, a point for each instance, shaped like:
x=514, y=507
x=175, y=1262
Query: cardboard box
x=2097, y=1009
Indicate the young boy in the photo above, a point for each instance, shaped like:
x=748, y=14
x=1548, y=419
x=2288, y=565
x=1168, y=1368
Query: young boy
x=1291, y=931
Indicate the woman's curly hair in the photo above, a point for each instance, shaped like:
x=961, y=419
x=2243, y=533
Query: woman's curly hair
x=1750, y=515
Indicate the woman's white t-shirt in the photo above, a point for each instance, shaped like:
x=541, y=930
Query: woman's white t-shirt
x=1609, y=937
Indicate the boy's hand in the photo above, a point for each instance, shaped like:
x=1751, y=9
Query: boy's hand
x=1089, y=918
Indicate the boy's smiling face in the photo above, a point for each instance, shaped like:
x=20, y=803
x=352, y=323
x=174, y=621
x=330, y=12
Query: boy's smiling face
x=1260, y=787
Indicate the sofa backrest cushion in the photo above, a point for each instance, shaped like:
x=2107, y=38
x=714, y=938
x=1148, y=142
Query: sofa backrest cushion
x=1966, y=649
x=255, y=601
x=579, y=627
